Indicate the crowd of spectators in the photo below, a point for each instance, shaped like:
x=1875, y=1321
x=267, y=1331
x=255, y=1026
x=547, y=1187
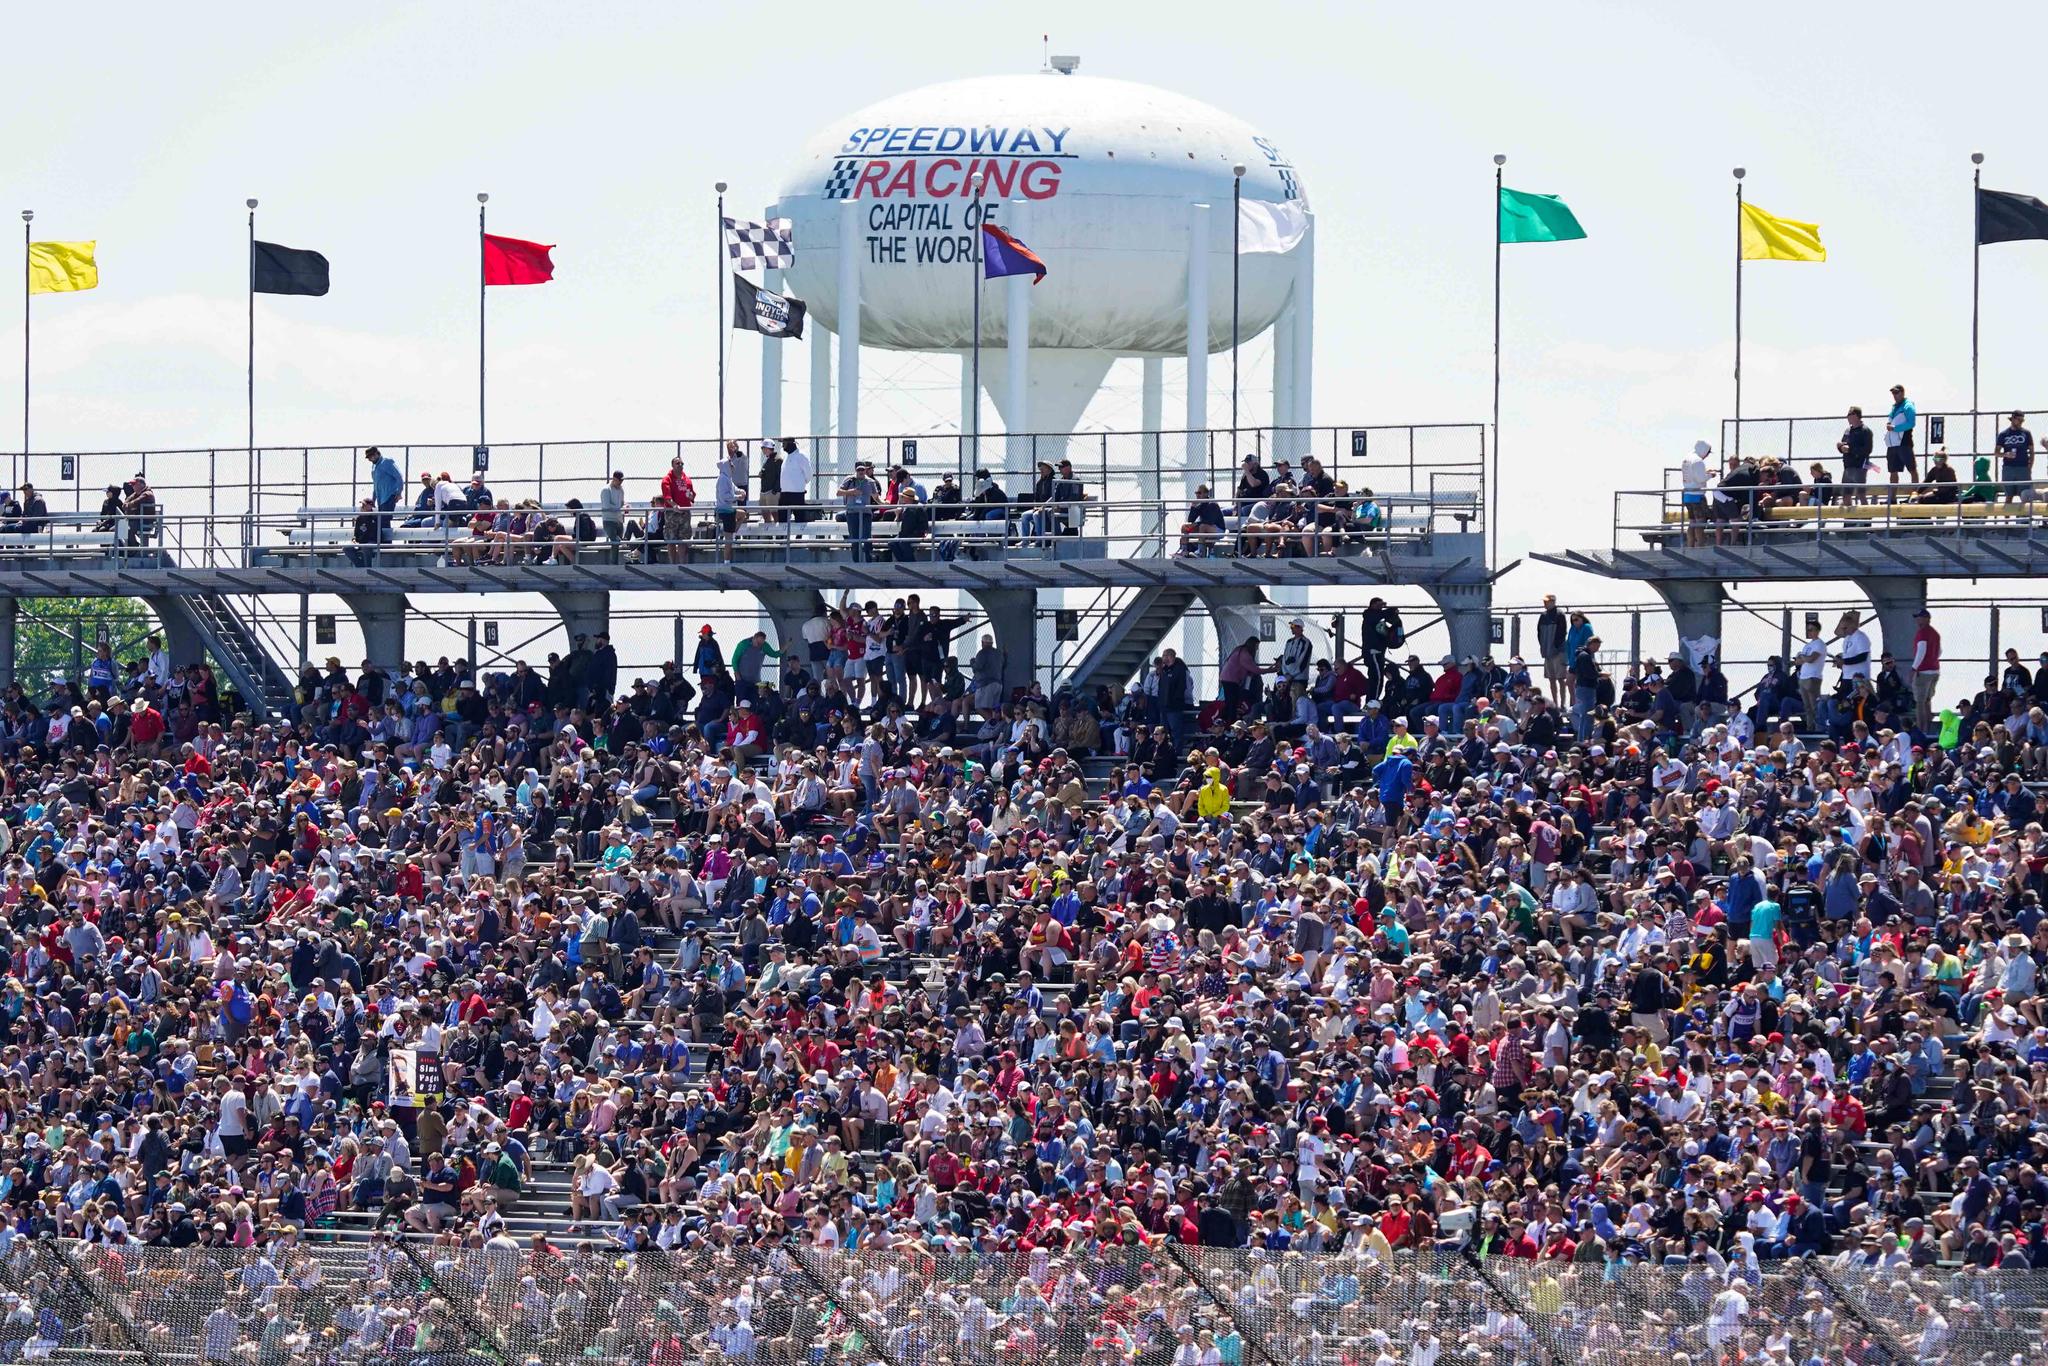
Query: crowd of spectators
x=841, y=946
x=1749, y=489
x=895, y=513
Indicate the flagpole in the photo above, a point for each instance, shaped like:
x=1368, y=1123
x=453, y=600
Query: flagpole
x=27, y=216
x=1976, y=258
x=482, y=292
x=1493, y=475
x=974, y=265
x=252, y=353
x=1236, y=255
x=1739, y=173
x=718, y=265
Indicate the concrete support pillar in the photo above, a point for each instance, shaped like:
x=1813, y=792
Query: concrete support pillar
x=10, y=616
x=583, y=613
x=1233, y=619
x=182, y=640
x=1695, y=606
x=1013, y=620
x=787, y=609
x=382, y=619
x=1468, y=617
x=1895, y=600
x=850, y=249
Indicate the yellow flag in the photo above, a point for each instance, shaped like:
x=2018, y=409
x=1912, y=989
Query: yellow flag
x=1766, y=237
x=58, y=267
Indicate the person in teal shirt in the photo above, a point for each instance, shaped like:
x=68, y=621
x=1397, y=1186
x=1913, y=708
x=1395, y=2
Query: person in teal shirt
x=1763, y=926
x=1898, y=436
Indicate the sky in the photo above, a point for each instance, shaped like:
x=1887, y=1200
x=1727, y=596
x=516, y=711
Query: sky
x=602, y=128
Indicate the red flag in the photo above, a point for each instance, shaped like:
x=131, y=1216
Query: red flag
x=509, y=261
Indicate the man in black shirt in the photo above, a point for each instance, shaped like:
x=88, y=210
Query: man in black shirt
x=2016, y=460
x=1855, y=447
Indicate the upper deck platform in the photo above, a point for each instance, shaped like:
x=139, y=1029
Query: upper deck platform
x=1407, y=506
x=1968, y=528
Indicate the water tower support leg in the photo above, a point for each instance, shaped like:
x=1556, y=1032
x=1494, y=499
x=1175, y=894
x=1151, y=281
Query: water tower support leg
x=1305, y=326
x=1284, y=441
x=851, y=248
x=821, y=391
x=1017, y=346
x=771, y=367
x=1151, y=412
x=1197, y=470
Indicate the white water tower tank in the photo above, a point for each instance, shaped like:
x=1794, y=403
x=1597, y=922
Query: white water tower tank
x=1103, y=171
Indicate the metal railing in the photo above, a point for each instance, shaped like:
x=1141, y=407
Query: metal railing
x=1084, y=528
x=1806, y=439
x=1662, y=517
x=231, y=480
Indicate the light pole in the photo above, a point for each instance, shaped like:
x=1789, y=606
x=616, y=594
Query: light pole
x=718, y=265
x=27, y=217
x=482, y=432
x=1739, y=174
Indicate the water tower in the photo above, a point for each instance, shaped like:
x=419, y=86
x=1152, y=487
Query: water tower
x=1124, y=190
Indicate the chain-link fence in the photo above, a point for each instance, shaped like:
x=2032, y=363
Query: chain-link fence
x=721, y=1297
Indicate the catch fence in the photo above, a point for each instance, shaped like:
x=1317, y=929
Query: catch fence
x=724, y=1297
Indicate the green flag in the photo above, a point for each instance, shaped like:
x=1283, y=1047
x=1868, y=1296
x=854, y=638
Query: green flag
x=1526, y=217
x=1951, y=730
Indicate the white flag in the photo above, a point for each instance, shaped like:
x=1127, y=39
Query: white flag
x=1266, y=226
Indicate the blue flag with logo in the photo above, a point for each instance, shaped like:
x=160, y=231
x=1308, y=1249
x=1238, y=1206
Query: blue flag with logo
x=1003, y=254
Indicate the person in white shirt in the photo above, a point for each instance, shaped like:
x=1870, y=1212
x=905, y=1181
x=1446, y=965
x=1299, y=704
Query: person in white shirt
x=1693, y=493
x=1812, y=657
x=1854, y=660
x=796, y=473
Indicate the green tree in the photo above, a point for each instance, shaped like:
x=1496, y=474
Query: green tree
x=56, y=636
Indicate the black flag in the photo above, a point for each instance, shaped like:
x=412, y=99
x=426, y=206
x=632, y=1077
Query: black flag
x=2004, y=217
x=285, y=270
x=755, y=309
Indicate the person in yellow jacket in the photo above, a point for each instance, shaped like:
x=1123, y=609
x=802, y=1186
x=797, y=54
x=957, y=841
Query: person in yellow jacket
x=1400, y=739
x=1212, y=802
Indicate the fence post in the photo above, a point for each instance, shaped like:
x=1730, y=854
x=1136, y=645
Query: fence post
x=462, y=1308
x=1818, y=1269
x=104, y=1302
x=1555, y=1355
x=1635, y=640
x=802, y=1257
x=1991, y=649
x=1249, y=1331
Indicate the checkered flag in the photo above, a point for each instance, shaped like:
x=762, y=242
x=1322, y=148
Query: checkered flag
x=755, y=246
